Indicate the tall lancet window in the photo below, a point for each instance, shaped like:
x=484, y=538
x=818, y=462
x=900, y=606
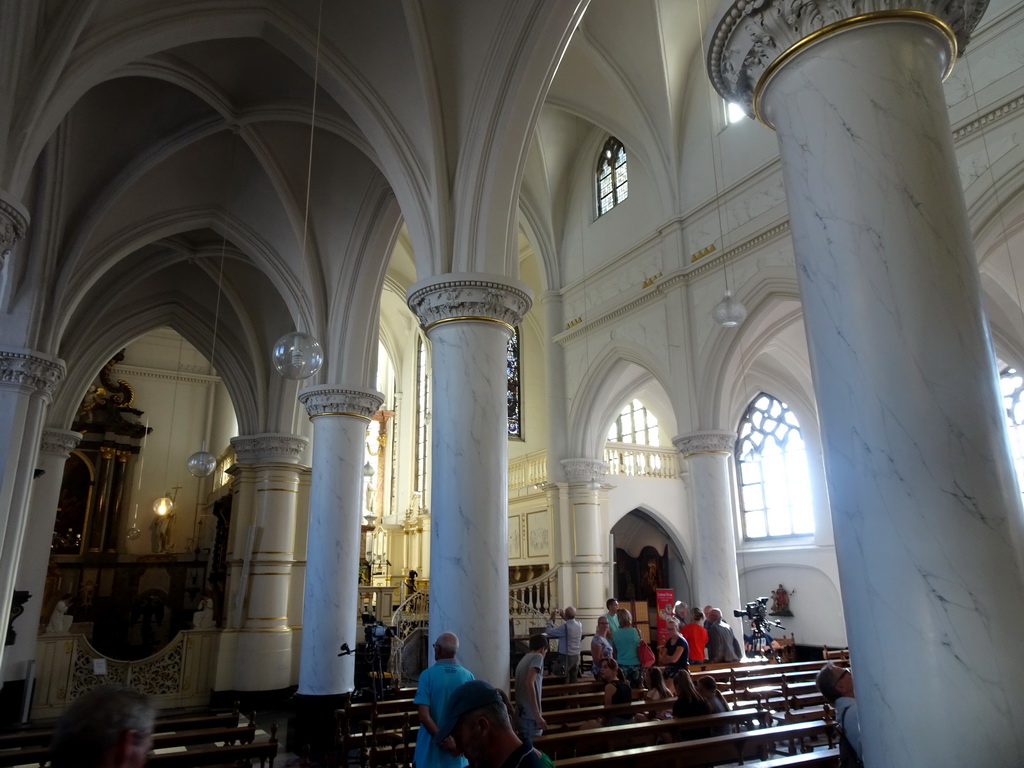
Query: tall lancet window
x=1012, y=385
x=422, y=418
x=515, y=421
x=612, y=176
x=771, y=461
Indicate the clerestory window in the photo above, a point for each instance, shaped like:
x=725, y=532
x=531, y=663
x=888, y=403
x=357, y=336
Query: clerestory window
x=771, y=462
x=612, y=176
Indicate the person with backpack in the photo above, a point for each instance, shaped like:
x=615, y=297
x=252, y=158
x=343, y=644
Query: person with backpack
x=836, y=685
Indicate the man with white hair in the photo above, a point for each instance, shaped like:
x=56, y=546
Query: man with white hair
x=111, y=726
x=722, y=643
x=569, y=636
x=435, y=688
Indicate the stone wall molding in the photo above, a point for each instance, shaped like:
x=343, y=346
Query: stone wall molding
x=269, y=448
x=328, y=400
x=59, y=442
x=705, y=441
x=14, y=221
x=584, y=470
x=469, y=296
x=748, y=38
x=29, y=370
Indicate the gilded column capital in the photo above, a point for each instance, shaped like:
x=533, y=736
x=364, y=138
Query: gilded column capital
x=269, y=448
x=13, y=224
x=329, y=400
x=748, y=40
x=706, y=441
x=29, y=370
x=59, y=442
x=584, y=470
x=469, y=296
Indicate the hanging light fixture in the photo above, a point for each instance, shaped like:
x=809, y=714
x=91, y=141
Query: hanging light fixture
x=729, y=312
x=164, y=505
x=298, y=355
x=201, y=463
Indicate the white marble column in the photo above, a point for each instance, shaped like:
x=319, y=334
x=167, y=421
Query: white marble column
x=469, y=319
x=28, y=380
x=331, y=607
x=715, y=576
x=589, y=559
x=925, y=505
x=54, y=449
x=267, y=486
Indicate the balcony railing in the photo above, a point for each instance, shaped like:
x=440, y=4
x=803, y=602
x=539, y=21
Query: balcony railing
x=629, y=460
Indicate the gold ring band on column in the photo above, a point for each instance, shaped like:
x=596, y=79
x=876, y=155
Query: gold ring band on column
x=841, y=26
x=341, y=413
x=468, y=318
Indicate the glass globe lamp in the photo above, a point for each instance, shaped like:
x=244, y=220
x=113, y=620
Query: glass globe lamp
x=201, y=464
x=297, y=355
x=729, y=312
x=163, y=505
x=133, y=533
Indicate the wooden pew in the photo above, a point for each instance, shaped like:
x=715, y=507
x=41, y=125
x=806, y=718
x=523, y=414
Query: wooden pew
x=264, y=751
x=737, y=747
x=593, y=741
x=819, y=758
x=36, y=754
x=40, y=737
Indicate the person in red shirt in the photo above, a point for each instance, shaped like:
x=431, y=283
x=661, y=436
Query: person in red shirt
x=696, y=636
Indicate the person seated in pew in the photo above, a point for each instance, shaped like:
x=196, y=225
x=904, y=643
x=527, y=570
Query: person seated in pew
x=110, y=726
x=675, y=654
x=616, y=691
x=708, y=689
x=836, y=685
x=656, y=691
x=689, y=703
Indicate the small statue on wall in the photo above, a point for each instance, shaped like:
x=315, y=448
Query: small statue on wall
x=60, y=621
x=780, y=602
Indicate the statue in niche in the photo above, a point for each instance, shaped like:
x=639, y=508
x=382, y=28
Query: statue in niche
x=780, y=602
x=203, y=617
x=60, y=620
x=160, y=528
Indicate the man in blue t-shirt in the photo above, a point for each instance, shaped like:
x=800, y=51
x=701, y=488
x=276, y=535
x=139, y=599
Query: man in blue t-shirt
x=435, y=687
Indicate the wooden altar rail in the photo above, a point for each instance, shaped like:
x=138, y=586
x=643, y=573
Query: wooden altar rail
x=181, y=674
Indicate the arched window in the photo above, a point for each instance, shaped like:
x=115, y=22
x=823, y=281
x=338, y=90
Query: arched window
x=422, y=418
x=1012, y=385
x=634, y=424
x=771, y=461
x=612, y=179
x=515, y=421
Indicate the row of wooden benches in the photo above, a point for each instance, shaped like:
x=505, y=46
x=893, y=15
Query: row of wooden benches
x=220, y=739
x=388, y=735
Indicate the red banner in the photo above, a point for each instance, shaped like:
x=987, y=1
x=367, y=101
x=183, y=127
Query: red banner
x=666, y=604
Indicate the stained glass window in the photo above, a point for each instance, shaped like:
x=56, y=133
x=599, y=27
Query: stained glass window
x=612, y=176
x=422, y=416
x=515, y=421
x=775, y=490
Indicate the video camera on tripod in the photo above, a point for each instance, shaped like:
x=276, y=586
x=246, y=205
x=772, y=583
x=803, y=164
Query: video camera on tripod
x=756, y=612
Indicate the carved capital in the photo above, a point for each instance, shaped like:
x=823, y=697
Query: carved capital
x=584, y=470
x=469, y=296
x=747, y=39
x=59, y=442
x=13, y=224
x=32, y=371
x=337, y=401
x=708, y=441
x=269, y=448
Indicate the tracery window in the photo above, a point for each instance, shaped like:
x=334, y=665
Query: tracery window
x=771, y=461
x=634, y=424
x=422, y=416
x=1012, y=385
x=515, y=422
x=612, y=176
